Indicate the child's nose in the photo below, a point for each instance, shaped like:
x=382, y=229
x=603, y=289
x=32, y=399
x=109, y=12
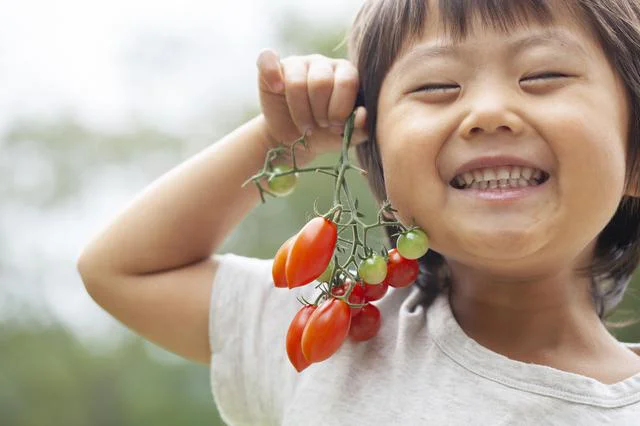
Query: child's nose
x=491, y=110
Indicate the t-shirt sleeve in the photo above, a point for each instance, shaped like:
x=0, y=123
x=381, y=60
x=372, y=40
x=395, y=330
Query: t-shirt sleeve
x=251, y=377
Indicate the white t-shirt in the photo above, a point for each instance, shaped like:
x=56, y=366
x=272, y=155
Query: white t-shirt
x=420, y=369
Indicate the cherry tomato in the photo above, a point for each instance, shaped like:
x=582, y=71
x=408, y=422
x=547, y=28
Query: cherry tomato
x=326, y=329
x=294, y=337
x=375, y=291
x=356, y=296
x=311, y=251
x=373, y=269
x=328, y=273
x=402, y=272
x=282, y=186
x=413, y=244
x=279, y=262
x=366, y=325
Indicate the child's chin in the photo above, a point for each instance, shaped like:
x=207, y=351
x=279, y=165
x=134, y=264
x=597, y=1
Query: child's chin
x=513, y=244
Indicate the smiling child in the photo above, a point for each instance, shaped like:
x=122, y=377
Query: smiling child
x=509, y=132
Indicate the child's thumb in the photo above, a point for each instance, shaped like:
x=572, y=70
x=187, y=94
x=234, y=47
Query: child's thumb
x=270, y=72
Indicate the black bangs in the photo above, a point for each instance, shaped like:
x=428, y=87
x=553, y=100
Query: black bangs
x=499, y=15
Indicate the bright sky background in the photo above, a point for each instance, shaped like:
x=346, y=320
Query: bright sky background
x=108, y=64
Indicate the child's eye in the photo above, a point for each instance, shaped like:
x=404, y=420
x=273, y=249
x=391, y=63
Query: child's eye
x=443, y=88
x=437, y=88
x=544, y=76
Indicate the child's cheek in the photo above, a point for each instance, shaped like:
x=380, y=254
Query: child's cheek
x=411, y=178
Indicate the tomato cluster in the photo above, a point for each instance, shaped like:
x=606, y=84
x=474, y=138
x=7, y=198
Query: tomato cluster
x=317, y=332
x=344, y=308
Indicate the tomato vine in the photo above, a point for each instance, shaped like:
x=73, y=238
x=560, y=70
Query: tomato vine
x=312, y=254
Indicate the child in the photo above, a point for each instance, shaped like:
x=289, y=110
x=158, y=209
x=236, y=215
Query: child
x=510, y=135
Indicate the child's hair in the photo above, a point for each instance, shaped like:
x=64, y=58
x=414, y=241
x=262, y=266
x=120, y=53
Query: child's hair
x=382, y=29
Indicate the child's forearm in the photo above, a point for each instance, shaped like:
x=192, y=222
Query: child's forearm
x=185, y=215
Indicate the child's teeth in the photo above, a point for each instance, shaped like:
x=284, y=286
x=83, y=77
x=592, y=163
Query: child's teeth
x=468, y=178
x=503, y=173
x=501, y=177
x=489, y=174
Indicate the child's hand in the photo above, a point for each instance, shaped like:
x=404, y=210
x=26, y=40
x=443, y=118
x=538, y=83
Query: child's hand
x=312, y=94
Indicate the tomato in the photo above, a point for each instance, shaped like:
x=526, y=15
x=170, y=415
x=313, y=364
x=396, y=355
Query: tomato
x=328, y=273
x=294, y=337
x=311, y=251
x=413, y=244
x=402, y=272
x=279, y=262
x=373, y=269
x=356, y=296
x=325, y=331
x=282, y=186
x=366, y=325
x=375, y=291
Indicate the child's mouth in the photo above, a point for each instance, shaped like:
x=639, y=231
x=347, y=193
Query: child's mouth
x=498, y=179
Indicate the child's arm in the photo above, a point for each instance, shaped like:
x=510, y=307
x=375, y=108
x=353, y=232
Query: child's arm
x=151, y=268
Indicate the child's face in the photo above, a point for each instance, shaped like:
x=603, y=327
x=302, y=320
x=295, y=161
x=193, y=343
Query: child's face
x=574, y=128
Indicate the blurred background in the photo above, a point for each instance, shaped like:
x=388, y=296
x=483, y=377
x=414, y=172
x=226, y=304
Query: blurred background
x=97, y=100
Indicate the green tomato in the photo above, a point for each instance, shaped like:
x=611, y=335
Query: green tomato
x=373, y=270
x=413, y=244
x=328, y=273
x=282, y=185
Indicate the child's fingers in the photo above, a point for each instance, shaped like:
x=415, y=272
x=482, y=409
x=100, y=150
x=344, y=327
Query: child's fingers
x=320, y=83
x=270, y=72
x=296, y=92
x=345, y=91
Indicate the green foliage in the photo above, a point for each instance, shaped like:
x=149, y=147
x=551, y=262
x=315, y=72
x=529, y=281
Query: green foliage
x=47, y=377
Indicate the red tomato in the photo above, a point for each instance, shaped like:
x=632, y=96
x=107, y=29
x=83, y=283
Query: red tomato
x=279, y=263
x=326, y=330
x=375, y=292
x=401, y=272
x=356, y=296
x=366, y=325
x=294, y=337
x=311, y=251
